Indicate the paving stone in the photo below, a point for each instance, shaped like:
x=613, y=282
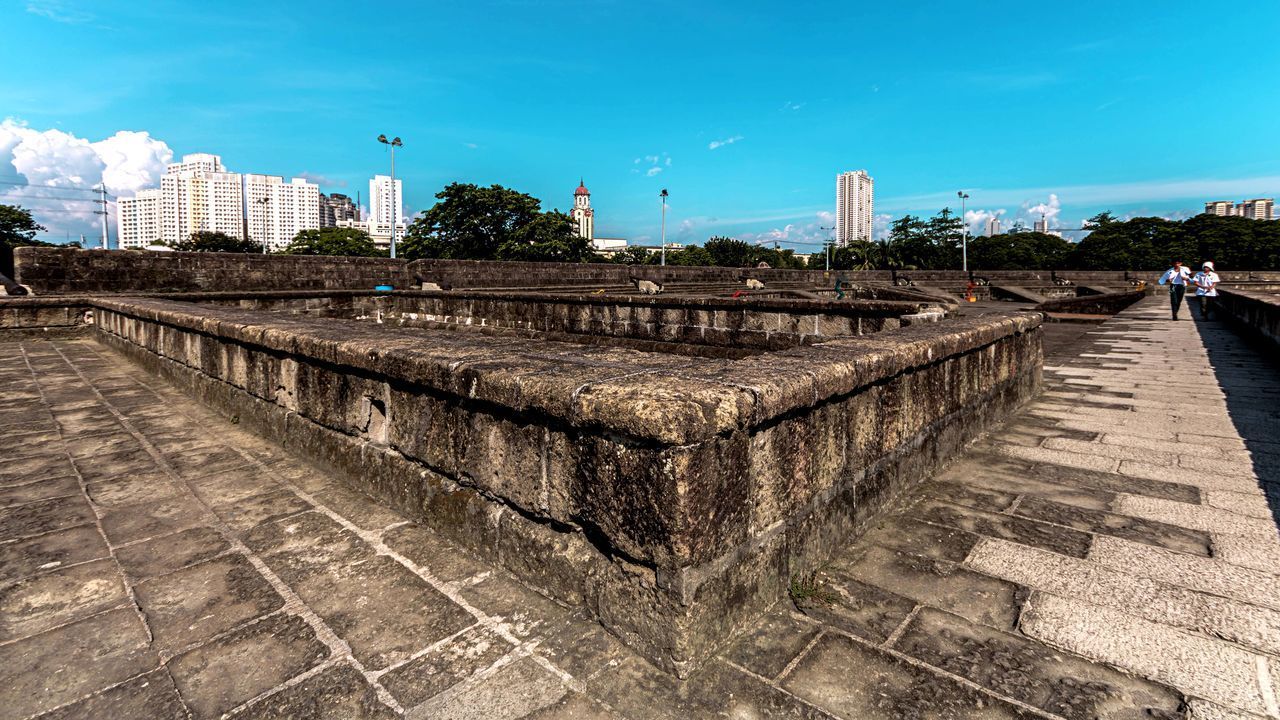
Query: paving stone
x=230, y=487
x=846, y=604
x=306, y=544
x=1201, y=518
x=203, y=461
x=523, y=611
x=85, y=447
x=578, y=645
x=443, y=559
x=11, y=495
x=337, y=693
x=116, y=465
x=768, y=647
x=1010, y=527
x=40, y=602
x=1029, y=672
x=164, y=554
x=1258, y=505
x=424, y=677
x=1210, y=615
x=198, y=602
x=1200, y=666
x=640, y=692
x=888, y=688
x=1210, y=575
x=939, y=583
x=969, y=496
x=574, y=706
x=266, y=507
x=132, y=489
x=237, y=667
x=136, y=522
x=513, y=692
x=1114, y=483
x=151, y=696
x=41, y=553
x=1248, y=552
x=357, y=508
x=1119, y=524
x=1060, y=457
x=61, y=666
x=906, y=534
x=44, y=516
x=1202, y=481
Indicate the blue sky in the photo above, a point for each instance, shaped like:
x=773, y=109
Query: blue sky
x=1076, y=107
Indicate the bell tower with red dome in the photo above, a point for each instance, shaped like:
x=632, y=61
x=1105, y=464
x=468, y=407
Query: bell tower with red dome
x=583, y=215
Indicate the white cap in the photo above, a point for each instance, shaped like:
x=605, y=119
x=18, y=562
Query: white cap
x=1208, y=264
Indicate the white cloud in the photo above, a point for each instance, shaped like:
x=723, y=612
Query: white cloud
x=721, y=143
x=792, y=106
x=323, y=180
x=1048, y=211
x=471, y=146
x=655, y=163
x=58, y=11
x=57, y=168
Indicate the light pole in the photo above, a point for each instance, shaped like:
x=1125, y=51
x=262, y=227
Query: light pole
x=663, y=195
x=393, y=144
x=964, y=233
x=826, y=245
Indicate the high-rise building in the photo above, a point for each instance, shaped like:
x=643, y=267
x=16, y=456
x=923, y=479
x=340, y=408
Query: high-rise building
x=993, y=226
x=584, y=221
x=199, y=194
x=381, y=200
x=1257, y=209
x=1041, y=225
x=335, y=207
x=855, y=206
x=1223, y=208
x=138, y=219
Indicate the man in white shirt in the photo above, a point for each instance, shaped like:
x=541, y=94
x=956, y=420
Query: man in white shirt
x=1177, y=278
x=1206, y=282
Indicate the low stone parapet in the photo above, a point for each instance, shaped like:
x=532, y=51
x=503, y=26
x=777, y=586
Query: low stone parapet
x=1256, y=313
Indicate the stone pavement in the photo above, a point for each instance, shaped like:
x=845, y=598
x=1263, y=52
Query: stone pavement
x=1112, y=552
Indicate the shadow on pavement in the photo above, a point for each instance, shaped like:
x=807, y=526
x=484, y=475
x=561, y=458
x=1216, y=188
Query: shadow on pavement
x=1248, y=371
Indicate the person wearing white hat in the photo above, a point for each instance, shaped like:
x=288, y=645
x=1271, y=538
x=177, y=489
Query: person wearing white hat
x=1206, y=282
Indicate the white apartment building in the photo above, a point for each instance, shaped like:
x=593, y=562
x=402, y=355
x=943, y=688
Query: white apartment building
x=382, y=199
x=1257, y=209
x=379, y=233
x=993, y=226
x=199, y=194
x=855, y=206
x=1041, y=225
x=1223, y=208
x=138, y=219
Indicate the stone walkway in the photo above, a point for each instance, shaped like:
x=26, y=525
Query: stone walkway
x=1110, y=553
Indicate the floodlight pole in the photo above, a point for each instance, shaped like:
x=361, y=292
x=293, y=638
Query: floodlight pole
x=393, y=144
x=663, y=195
x=964, y=233
x=826, y=246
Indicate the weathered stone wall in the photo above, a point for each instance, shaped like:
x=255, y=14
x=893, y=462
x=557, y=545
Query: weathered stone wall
x=1104, y=304
x=749, y=323
x=675, y=499
x=69, y=270
x=42, y=316
x=1256, y=313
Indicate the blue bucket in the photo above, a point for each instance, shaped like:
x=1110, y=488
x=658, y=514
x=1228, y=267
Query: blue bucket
x=383, y=288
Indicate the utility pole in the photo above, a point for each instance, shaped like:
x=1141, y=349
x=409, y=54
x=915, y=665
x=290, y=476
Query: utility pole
x=102, y=200
x=826, y=246
x=964, y=233
x=393, y=144
x=663, y=195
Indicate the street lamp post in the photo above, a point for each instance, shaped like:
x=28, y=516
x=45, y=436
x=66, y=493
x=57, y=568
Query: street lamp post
x=826, y=246
x=964, y=233
x=393, y=144
x=663, y=195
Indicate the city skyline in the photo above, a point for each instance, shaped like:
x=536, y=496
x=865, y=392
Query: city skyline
x=746, y=135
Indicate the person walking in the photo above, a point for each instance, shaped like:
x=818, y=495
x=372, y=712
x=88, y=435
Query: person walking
x=1206, y=282
x=1177, y=278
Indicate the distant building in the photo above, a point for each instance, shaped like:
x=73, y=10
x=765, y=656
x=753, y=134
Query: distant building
x=379, y=233
x=382, y=198
x=855, y=206
x=993, y=226
x=335, y=207
x=1257, y=209
x=1222, y=208
x=584, y=222
x=199, y=194
x=1041, y=225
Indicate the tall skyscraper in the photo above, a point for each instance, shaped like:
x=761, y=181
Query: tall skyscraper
x=335, y=207
x=199, y=194
x=381, y=198
x=583, y=216
x=993, y=226
x=1257, y=209
x=855, y=206
x=1223, y=208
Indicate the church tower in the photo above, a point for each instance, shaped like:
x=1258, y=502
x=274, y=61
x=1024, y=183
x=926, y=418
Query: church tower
x=583, y=218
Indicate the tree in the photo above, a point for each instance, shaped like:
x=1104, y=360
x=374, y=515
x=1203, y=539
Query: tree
x=334, y=241
x=691, y=256
x=492, y=223
x=1019, y=251
x=18, y=228
x=213, y=241
x=633, y=255
x=730, y=252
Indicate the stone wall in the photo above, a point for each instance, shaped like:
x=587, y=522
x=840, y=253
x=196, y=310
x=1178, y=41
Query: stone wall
x=673, y=498
x=68, y=270
x=44, y=316
x=1256, y=313
x=1103, y=304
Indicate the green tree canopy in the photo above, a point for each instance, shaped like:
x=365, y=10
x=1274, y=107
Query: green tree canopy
x=730, y=252
x=18, y=228
x=1018, y=251
x=212, y=241
x=350, y=242
x=492, y=223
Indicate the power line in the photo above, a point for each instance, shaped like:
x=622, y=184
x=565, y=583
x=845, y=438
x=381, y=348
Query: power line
x=50, y=187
